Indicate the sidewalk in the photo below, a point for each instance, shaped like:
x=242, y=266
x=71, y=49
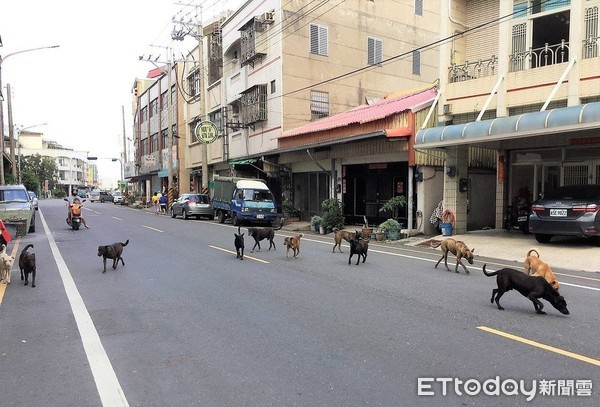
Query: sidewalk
x=564, y=253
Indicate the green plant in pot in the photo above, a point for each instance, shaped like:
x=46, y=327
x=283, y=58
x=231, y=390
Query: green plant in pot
x=332, y=216
x=289, y=210
x=393, y=205
x=391, y=228
x=315, y=222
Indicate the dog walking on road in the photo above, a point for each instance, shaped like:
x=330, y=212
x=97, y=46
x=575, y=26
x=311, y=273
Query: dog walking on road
x=457, y=248
x=27, y=265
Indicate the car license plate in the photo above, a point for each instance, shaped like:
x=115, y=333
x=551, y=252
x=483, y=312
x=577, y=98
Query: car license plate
x=260, y=216
x=558, y=212
x=522, y=219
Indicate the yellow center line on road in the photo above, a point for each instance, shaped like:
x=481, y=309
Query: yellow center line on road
x=151, y=228
x=245, y=257
x=582, y=358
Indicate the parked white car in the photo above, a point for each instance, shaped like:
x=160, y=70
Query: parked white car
x=118, y=198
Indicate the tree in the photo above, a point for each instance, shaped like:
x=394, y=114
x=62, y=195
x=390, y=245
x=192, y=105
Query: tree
x=35, y=169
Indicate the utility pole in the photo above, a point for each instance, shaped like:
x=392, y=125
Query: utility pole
x=11, y=135
x=170, y=134
x=124, y=141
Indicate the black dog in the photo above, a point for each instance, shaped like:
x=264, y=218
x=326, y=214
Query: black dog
x=239, y=244
x=263, y=233
x=529, y=286
x=27, y=265
x=112, y=251
x=358, y=246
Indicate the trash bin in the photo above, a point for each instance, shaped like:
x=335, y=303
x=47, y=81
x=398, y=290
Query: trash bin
x=446, y=229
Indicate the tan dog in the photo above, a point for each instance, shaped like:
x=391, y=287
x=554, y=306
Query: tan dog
x=6, y=263
x=539, y=268
x=338, y=235
x=457, y=248
x=292, y=243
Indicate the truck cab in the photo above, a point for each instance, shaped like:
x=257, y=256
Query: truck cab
x=244, y=201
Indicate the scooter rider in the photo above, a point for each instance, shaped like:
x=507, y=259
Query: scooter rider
x=74, y=198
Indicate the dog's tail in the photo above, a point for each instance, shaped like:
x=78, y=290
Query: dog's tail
x=531, y=251
x=239, y=230
x=26, y=247
x=126, y=243
x=489, y=274
x=435, y=245
x=281, y=223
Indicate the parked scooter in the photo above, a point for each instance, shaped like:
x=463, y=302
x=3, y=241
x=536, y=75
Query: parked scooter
x=517, y=218
x=74, y=218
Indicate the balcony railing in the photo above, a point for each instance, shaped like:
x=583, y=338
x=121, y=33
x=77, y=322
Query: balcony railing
x=538, y=57
x=473, y=70
x=590, y=47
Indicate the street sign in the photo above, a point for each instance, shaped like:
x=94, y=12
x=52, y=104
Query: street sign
x=206, y=132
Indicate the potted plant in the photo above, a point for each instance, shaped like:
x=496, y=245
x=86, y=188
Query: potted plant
x=332, y=218
x=315, y=222
x=379, y=235
x=391, y=228
x=290, y=212
x=393, y=204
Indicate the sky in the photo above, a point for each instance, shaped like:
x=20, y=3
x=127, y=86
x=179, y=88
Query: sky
x=80, y=88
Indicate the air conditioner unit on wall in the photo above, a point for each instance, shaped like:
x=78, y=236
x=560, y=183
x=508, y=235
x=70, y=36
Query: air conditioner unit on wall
x=268, y=17
x=447, y=109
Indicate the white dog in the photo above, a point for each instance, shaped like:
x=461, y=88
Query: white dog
x=6, y=263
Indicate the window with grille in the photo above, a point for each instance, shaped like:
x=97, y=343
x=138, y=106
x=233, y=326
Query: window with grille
x=374, y=50
x=590, y=41
x=163, y=135
x=575, y=174
x=416, y=62
x=217, y=118
x=153, y=107
x=253, y=105
x=144, y=114
x=194, y=83
x=164, y=102
x=318, y=39
x=154, y=142
x=418, y=7
x=319, y=105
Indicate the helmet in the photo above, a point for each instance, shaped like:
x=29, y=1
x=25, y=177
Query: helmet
x=74, y=191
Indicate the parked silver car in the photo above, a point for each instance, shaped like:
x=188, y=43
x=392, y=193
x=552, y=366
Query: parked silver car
x=34, y=199
x=16, y=208
x=572, y=210
x=193, y=205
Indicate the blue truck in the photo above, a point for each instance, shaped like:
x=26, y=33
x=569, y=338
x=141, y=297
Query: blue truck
x=243, y=200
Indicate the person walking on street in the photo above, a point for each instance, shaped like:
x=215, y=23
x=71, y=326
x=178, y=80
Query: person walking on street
x=163, y=204
x=155, y=203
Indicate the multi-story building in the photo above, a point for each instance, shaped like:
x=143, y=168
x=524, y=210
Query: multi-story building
x=73, y=167
x=156, y=127
x=519, y=78
x=287, y=64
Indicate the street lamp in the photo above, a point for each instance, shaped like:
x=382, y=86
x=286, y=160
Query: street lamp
x=18, y=141
x=2, y=181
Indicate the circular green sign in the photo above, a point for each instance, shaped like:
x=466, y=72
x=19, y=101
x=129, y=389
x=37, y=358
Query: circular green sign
x=206, y=132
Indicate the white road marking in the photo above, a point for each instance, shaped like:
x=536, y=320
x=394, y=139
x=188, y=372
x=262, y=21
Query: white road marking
x=151, y=228
x=107, y=383
x=245, y=257
x=114, y=217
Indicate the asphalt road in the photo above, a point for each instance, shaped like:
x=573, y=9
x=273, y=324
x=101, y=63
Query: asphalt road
x=185, y=323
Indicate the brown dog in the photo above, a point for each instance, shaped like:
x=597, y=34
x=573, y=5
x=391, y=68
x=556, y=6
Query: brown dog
x=338, y=235
x=292, y=243
x=6, y=262
x=27, y=265
x=112, y=251
x=457, y=248
x=263, y=233
x=539, y=268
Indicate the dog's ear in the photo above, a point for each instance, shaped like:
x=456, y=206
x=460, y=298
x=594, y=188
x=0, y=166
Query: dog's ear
x=472, y=250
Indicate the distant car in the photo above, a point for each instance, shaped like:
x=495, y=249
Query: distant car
x=197, y=205
x=118, y=198
x=102, y=196
x=16, y=208
x=34, y=199
x=572, y=210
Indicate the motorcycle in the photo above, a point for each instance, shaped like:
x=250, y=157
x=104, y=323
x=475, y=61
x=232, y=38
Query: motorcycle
x=517, y=218
x=74, y=218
